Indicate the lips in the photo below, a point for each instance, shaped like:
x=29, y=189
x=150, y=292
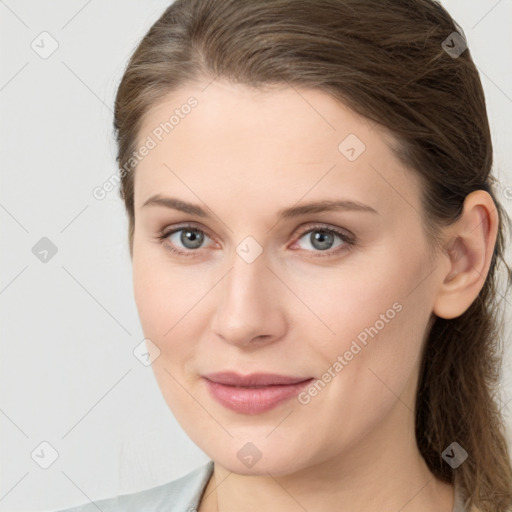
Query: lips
x=255, y=393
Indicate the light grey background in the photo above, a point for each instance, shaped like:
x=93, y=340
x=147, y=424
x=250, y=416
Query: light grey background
x=69, y=326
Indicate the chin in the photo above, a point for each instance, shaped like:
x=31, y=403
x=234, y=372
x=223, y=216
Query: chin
x=259, y=457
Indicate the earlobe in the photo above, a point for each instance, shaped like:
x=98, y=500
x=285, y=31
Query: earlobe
x=467, y=254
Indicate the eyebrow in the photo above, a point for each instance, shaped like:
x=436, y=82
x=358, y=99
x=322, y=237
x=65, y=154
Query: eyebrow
x=294, y=211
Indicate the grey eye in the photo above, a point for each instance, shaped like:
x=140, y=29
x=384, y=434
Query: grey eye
x=189, y=238
x=321, y=239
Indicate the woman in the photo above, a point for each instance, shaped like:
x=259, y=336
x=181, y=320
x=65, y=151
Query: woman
x=315, y=242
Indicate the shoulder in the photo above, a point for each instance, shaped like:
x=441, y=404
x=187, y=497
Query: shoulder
x=461, y=503
x=181, y=494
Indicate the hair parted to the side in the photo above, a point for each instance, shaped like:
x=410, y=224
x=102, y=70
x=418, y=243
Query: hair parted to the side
x=385, y=60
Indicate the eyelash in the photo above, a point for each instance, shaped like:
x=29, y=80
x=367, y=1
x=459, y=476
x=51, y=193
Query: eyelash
x=349, y=241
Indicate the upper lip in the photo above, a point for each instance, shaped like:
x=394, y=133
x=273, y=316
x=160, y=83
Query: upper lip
x=253, y=379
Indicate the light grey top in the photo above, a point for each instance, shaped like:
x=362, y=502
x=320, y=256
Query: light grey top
x=182, y=495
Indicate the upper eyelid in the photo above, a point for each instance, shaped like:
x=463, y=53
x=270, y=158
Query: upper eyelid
x=173, y=229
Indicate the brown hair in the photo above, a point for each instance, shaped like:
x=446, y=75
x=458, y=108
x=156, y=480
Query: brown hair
x=386, y=60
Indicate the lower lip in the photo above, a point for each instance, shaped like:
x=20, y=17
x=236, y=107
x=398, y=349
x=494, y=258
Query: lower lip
x=253, y=400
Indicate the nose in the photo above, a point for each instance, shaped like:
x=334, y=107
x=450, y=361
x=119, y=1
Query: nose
x=250, y=311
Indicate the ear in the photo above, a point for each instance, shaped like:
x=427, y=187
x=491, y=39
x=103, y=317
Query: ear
x=467, y=255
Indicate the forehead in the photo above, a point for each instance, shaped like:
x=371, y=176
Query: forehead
x=278, y=141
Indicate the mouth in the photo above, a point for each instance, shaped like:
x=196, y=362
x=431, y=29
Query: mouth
x=255, y=393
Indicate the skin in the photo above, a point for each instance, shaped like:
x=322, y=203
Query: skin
x=243, y=154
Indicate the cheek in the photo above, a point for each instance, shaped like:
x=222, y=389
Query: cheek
x=158, y=301
x=376, y=318
x=162, y=291
x=169, y=300
x=356, y=299
x=162, y=310
x=371, y=359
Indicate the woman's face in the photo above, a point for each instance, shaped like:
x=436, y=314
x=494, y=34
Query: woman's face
x=336, y=300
